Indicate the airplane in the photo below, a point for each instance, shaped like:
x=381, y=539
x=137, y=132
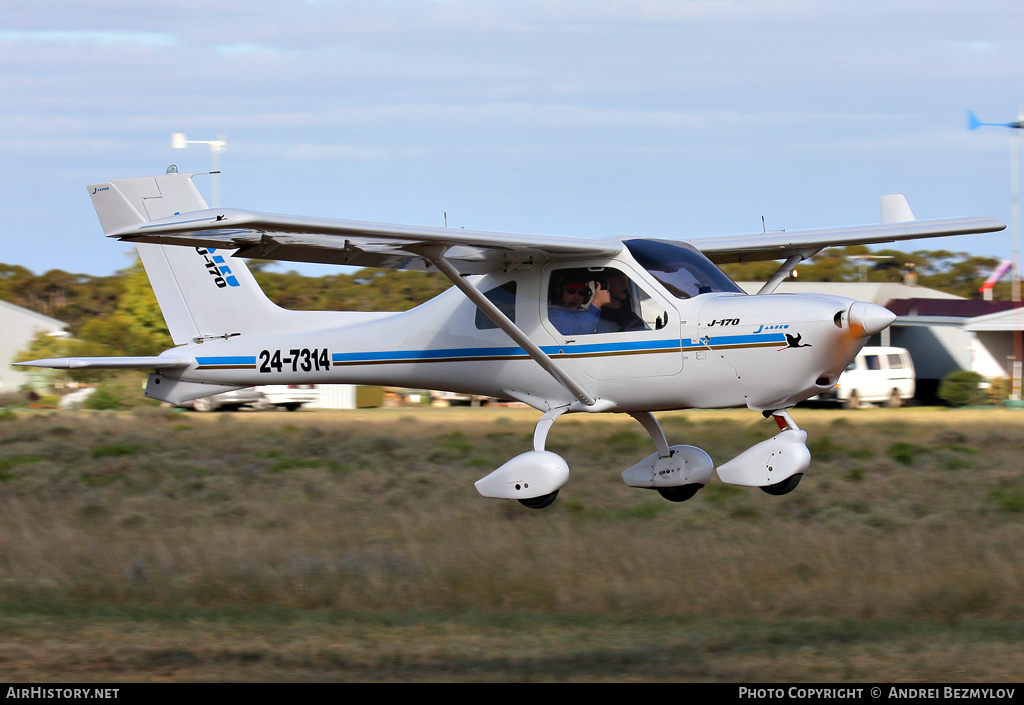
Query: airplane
x=565, y=325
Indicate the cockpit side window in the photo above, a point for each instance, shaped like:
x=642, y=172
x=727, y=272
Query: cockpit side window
x=504, y=297
x=586, y=300
x=681, y=268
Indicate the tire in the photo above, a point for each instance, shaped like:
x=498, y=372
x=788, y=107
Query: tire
x=784, y=487
x=680, y=493
x=539, y=502
x=204, y=404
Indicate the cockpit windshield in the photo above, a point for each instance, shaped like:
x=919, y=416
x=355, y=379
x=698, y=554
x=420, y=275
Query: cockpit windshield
x=681, y=268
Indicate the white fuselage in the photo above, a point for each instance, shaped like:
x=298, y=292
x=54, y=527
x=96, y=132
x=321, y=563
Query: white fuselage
x=713, y=350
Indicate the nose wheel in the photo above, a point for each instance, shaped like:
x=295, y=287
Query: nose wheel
x=775, y=465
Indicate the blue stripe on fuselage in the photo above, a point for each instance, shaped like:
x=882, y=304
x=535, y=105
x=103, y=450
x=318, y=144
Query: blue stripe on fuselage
x=457, y=354
x=478, y=354
x=232, y=360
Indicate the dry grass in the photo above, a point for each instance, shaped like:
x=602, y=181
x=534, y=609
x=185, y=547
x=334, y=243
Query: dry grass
x=353, y=546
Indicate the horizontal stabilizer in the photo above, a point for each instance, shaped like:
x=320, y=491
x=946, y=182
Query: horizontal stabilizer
x=106, y=363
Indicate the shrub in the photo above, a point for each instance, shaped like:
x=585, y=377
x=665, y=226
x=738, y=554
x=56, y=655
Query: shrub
x=998, y=390
x=104, y=399
x=122, y=391
x=962, y=388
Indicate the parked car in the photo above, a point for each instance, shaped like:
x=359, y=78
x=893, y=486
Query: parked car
x=289, y=396
x=877, y=375
x=232, y=400
x=439, y=398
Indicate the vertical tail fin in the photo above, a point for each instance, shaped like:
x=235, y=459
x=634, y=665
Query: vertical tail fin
x=202, y=293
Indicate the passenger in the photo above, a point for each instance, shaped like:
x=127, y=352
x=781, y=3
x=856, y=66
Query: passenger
x=619, y=310
x=567, y=314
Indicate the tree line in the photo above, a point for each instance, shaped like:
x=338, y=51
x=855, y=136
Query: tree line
x=957, y=273
x=118, y=314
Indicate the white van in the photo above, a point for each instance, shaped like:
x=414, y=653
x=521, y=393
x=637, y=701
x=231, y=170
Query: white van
x=876, y=375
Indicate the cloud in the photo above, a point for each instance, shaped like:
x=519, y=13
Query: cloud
x=154, y=39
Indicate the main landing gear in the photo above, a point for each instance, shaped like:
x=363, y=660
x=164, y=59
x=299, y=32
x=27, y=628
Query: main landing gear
x=676, y=472
x=534, y=477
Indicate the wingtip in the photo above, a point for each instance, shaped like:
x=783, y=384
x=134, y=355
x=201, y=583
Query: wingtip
x=896, y=209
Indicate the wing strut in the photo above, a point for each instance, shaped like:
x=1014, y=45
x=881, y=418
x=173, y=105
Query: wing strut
x=436, y=258
x=784, y=271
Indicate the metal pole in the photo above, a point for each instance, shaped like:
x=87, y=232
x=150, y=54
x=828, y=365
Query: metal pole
x=215, y=148
x=178, y=141
x=1017, y=368
x=1018, y=344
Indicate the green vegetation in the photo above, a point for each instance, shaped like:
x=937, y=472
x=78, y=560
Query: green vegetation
x=119, y=315
x=905, y=453
x=1008, y=500
x=152, y=545
x=962, y=388
x=121, y=311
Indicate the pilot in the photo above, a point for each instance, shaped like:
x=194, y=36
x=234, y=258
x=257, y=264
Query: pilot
x=619, y=310
x=567, y=313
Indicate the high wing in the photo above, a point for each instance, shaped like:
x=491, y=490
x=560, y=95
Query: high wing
x=807, y=243
x=331, y=241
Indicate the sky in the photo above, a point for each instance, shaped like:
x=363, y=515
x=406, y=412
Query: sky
x=588, y=118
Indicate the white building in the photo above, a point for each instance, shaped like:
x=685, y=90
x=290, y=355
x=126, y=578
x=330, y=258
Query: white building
x=18, y=326
x=997, y=335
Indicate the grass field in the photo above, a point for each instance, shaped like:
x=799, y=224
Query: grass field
x=334, y=546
